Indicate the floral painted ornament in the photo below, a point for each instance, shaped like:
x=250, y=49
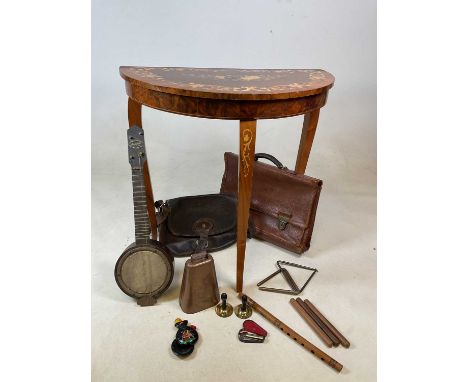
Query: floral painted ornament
x=185, y=339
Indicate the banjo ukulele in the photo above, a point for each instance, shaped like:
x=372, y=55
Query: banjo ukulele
x=146, y=268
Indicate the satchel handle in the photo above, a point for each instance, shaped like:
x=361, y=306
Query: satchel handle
x=270, y=158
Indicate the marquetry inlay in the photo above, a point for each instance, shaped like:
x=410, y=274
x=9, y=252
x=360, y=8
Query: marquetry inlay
x=246, y=142
x=232, y=81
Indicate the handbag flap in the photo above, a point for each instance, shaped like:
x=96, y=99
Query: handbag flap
x=279, y=193
x=219, y=211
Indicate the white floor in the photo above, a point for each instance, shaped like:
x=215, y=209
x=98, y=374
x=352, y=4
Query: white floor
x=130, y=343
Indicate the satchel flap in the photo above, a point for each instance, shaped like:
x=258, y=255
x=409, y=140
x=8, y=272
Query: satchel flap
x=187, y=212
x=279, y=193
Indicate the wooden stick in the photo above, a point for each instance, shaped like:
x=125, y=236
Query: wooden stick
x=299, y=309
x=335, y=341
x=334, y=330
x=294, y=335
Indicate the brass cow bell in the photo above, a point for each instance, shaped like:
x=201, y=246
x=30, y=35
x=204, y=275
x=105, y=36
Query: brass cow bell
x=199, y=289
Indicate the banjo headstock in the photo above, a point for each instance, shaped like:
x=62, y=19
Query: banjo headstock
x=136, y=147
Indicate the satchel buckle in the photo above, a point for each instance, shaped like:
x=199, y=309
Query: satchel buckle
x=283, y=221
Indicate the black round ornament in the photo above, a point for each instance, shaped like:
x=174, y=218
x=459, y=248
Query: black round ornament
x=181, y=350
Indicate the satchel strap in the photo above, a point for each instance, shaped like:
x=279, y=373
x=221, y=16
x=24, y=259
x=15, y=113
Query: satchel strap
x=270, y=158
x=162, y=211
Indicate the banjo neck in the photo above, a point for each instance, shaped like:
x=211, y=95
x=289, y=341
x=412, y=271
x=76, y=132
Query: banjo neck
x=137, y=159
x=140, y=211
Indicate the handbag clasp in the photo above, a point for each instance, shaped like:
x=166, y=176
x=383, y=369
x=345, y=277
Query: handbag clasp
x=283, y=221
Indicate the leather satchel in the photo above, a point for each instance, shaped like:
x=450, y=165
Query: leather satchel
x=283, y=204
x=197, y=223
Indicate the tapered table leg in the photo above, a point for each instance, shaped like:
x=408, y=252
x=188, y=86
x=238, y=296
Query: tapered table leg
x=246, y=161
x=307, y=138
x=134, y=119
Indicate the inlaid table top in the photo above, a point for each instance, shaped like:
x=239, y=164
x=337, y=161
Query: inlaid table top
x=230, y=84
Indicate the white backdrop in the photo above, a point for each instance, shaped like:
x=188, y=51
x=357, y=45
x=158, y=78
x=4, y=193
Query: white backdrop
x=185, y=157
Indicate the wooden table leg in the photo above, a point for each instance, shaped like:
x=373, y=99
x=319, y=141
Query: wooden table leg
x=134, y=119
x=307, y=138
x=246, y=161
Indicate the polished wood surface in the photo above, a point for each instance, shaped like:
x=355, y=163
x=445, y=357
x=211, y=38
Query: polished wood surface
x=334, y=330
x=134, y=119
x=335, y=341
x=225, y=109
x=229, y=93
x=299, y=309
x=247, y=135
x=307, y=138
x=230, y=84
x=134, y=113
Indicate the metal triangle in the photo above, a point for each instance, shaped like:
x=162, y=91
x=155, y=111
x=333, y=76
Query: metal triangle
x=295, y=290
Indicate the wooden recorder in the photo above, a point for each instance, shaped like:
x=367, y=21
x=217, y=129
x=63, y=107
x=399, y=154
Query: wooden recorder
x=293, y=334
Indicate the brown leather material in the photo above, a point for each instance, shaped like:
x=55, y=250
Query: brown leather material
x=199, y=290
x=185, y=212
x=283, y=204
x=183, y=221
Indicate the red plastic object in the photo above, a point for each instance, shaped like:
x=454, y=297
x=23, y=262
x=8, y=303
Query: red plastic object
x=253, y=327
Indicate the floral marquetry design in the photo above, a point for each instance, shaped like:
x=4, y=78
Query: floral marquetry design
x=246, y=142
x=239, y=84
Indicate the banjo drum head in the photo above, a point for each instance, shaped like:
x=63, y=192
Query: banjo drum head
x=144, y=270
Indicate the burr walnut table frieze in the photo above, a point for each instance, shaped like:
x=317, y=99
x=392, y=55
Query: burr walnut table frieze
x=240, y=94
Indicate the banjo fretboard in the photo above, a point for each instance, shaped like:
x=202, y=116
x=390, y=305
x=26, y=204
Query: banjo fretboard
x=137, y=159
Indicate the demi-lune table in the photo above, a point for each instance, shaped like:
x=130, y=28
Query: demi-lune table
x=239, y=94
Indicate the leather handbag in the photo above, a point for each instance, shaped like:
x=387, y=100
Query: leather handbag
x=283, y=204
x=195, y=223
